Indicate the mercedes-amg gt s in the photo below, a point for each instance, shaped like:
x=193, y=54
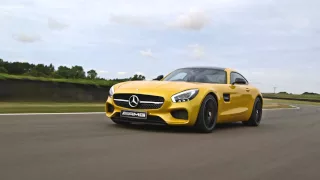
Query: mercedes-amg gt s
x=192, y=96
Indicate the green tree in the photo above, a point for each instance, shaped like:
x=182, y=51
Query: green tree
x=63, y=72
x=51, y=69
x=77, y=72
x=309, y=93
x=35, y=73
x=18, y=68
x=42, y=70
x=3, y=70
x=92, y=74
x=137, y=77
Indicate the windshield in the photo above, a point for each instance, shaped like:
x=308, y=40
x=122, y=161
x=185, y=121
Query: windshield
x=202, y=75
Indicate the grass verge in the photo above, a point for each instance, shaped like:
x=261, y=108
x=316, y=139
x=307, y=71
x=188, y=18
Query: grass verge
x=11, y=107
x=292, y=96
x=292, y=102
x=75, y=81
x=277, y=106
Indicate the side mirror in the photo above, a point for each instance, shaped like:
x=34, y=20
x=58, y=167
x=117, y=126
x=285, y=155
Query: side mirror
x=239, y=81
x=158, y=78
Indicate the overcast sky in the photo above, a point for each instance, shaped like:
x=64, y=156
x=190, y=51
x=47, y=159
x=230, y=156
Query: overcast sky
x=271, y=42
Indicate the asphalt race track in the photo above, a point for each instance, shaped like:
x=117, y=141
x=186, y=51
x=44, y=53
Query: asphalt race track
x=85, y=147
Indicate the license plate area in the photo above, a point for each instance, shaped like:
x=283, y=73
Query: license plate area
x=133, y=114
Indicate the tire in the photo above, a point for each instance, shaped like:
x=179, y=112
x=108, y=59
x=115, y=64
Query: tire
x=207, y=116
x=256, y=114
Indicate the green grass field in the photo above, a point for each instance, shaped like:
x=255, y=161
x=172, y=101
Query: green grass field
x=27, y=107
x=292, y=102
x=293, y=96
x=76, y=81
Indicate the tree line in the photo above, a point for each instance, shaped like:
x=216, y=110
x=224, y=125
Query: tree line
x=49, y=71
x=305, y=93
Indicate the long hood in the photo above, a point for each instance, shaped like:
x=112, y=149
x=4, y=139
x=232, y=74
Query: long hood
x=154, y=87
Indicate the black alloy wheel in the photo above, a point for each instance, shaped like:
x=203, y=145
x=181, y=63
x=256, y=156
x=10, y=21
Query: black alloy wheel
x=209, y=110
x=256, y=115
x=208, y=115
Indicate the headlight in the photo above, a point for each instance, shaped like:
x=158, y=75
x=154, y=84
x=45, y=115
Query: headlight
x=111, y=91
x=185, y=95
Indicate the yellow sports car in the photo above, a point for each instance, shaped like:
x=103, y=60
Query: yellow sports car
x=194, y=96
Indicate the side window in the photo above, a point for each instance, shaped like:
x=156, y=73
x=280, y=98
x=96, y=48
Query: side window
x=234, y=76
x=178, y=76
x=218, y=77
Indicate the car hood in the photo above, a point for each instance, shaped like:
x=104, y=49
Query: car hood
x=154, y=87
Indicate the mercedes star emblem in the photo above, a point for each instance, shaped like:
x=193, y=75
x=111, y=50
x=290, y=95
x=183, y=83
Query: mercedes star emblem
x=134, y=101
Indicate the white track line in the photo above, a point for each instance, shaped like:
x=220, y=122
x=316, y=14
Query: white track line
x=293, y=108
x=32, y=114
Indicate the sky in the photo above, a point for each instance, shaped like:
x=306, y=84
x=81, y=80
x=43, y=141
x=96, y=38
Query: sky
x=273, y=43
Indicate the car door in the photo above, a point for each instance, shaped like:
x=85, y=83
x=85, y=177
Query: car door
x=239, y=97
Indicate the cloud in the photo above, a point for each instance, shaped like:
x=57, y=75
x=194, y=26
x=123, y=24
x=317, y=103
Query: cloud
x=246, y=34
x=25, y=38
x=193, y=20
x=129, y=20
x=147, y=53
x=197, y=51
x=55, y=25
x=103, y=72
x=121, y=73
x=117, y=41
x=190, y=52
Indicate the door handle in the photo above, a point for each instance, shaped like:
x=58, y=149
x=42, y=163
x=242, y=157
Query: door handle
x=247, y=89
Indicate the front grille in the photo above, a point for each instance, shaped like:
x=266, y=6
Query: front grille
x=155, y=120
x=140, y=106
x=142, y=97
x=146, y=101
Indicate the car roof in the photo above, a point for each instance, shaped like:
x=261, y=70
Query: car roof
x=208, y=67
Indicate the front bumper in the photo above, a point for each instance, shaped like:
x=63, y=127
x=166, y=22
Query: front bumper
x=183, y=113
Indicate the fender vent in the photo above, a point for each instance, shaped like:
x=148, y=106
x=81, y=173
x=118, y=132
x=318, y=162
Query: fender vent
x=226, y=97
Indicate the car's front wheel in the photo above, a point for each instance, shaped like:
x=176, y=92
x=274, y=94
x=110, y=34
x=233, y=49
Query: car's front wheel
x=256, y=115
x=208, y=115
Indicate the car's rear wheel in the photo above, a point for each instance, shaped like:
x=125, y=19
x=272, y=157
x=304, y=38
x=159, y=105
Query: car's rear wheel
x=256, y=115
x=208, y=115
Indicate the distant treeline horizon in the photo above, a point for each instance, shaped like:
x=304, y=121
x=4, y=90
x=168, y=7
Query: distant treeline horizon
x=49, y=71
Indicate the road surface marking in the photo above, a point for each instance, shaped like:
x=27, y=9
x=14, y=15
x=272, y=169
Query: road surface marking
x=292, y=108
